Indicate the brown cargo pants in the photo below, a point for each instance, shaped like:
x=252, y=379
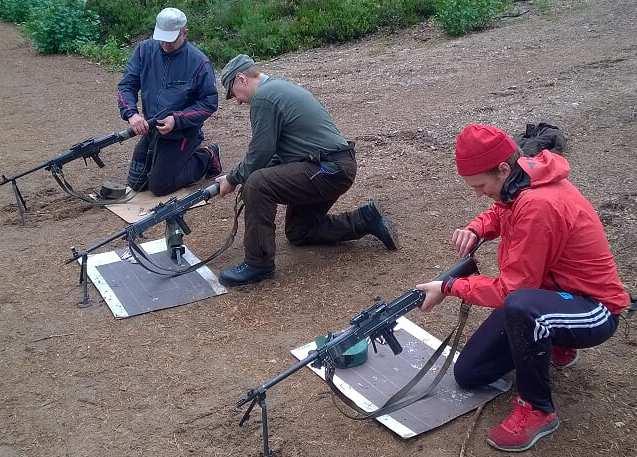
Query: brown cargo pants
x=309, y=190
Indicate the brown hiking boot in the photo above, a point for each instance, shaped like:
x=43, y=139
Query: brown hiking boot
x=214, y=165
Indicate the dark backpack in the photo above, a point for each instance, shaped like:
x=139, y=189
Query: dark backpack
x=539, y=137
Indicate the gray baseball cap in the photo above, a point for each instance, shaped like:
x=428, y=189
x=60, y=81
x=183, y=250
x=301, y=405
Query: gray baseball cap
x=238, y=64
x=169, y=22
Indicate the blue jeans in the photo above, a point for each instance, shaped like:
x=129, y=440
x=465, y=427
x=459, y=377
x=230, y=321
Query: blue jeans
x=520, y=336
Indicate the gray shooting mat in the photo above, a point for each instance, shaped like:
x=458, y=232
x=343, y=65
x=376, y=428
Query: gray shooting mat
x=129, y=290
x=371, y=384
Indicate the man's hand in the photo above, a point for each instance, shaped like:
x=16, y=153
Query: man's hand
x=433, y=295
x=138, y=124
x=166, y=125
x=463, y=240
x=225, y=187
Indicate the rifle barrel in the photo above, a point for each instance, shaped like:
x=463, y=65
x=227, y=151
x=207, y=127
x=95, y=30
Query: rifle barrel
x=298, y=365
x=122, y=233
x=95, y=145
x=6, y=180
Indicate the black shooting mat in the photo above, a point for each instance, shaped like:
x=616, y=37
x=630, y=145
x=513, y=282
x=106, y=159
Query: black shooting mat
x=383, y=374
x=130, y=290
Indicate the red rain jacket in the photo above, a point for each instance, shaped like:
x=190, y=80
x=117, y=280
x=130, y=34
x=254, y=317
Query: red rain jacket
x=551, y=238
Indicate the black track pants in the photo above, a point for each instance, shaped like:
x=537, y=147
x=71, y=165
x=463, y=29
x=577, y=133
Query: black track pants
x=520, y=335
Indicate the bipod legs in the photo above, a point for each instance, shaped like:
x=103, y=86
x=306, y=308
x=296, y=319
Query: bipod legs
x=85, y=303
x=20, y=202
x=260, y=399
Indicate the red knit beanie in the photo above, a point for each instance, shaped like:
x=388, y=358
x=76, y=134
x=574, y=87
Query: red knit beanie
x=480, y=148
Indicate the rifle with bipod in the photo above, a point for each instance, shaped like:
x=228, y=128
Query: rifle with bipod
x=87, y=149
x=172, y=212
x=376, y=323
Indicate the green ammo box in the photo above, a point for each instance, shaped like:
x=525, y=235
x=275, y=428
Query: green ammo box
x=354, y=356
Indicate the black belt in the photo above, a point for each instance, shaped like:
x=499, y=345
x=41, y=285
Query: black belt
x=350, y=151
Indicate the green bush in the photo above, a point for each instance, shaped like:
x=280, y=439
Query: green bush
x=61, y=26
x=458, y=17
x=267, y=28
x=224, y=28
x=18, y=11
x=124, y=19
x=111, y=53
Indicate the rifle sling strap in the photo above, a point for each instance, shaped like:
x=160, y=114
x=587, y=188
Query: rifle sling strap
x=146, y=262
x=398, y=401
x=58, y=175
x=66, y=186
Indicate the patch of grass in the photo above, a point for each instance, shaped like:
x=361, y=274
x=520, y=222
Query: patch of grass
x=458, y=17
x=110, y=54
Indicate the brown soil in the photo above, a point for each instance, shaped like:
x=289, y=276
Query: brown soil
x=164, y=384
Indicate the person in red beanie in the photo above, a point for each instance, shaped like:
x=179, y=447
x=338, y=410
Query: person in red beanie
x=558, y=287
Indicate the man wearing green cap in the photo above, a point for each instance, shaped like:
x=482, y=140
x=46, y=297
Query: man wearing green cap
x=296, y=157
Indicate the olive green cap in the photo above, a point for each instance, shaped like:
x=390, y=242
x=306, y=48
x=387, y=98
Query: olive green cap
x=238, y=64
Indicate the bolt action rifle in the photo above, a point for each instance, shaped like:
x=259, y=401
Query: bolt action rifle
x=87, y=149
x=172, y=212
x=376, y=323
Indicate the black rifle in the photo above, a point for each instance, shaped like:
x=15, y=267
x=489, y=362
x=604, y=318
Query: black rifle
x=172, y=212
x=376, y=323
x=87, y=149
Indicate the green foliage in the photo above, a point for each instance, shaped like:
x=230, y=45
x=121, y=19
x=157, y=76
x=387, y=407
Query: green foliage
x=224, y=28
x=60, y=26
x=124, y=19
x=111, y=54
x=262, y=28
x=269, y=27
x=18, y=11
x=458, y=17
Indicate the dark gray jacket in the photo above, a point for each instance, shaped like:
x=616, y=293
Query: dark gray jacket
x=288, y=125
x=181, y=83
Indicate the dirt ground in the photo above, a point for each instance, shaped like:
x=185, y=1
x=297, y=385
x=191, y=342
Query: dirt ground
x=76, y=382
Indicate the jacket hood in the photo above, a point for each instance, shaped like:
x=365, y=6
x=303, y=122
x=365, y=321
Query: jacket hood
x=545, y=168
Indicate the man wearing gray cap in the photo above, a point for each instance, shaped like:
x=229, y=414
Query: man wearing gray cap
x=297, y=157
x=177, y=84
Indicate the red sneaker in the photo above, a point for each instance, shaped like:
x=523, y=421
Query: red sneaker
x=562, y=357
x=522, y=428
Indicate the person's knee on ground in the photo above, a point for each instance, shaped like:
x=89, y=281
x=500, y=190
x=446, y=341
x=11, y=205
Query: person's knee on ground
x=463, y=372
x=137, y=176
x=137, y=185
x=296, y=235
x=160, y=188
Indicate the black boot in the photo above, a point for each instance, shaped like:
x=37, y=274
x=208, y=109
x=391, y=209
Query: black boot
x=243, y=273
x=378, y=225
